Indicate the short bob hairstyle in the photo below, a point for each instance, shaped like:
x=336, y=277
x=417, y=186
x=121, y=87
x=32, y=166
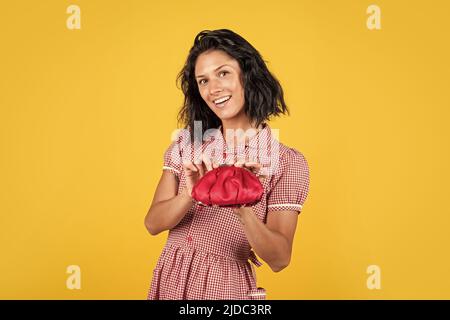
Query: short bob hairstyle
x=263, y=94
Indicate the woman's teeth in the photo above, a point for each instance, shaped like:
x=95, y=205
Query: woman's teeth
x=222, y=102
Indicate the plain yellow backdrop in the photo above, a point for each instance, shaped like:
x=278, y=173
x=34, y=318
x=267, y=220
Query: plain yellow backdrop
x=85, y=116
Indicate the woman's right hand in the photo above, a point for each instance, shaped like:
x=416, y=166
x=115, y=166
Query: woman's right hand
x=193, y=172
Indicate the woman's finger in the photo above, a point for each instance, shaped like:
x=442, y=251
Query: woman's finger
x=190, y=166
x=257, y=169
x=262, y=174
x=253, y=166
x=239, y=163
x=200, y=168
x=207, y=162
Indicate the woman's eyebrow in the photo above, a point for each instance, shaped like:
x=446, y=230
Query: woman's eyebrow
x=201, y=75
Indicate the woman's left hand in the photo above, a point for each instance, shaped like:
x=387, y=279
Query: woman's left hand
x=256, y=169
x=253, y=167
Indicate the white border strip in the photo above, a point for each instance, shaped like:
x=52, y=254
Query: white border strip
x=256, y=294
x=170, y=168
x=285, y=205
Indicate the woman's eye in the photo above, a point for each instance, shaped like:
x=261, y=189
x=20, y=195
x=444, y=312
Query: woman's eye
x=203, y=81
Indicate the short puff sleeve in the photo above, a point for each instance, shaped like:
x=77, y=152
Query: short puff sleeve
x=290, y=183
x=172, y=159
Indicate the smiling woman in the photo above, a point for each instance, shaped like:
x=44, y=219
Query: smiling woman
x=226, y=86
x=221, y=63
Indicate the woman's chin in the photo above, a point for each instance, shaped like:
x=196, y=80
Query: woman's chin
x=226, y=113
x=226, y=117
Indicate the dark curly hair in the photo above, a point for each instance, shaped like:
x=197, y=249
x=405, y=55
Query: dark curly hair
x=262, y=91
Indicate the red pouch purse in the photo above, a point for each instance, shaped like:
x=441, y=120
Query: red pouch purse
x=228, y=186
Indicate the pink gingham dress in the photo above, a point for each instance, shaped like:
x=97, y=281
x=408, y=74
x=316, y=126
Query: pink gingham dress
x=207, y=254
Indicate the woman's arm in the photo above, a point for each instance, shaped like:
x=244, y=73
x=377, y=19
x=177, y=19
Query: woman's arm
x=167, y=208
x=271, y=241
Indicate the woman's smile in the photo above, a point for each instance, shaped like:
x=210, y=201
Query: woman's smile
x=222, y=102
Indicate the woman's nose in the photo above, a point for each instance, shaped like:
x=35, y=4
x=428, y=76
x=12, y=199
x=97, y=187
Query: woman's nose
x=214, y=87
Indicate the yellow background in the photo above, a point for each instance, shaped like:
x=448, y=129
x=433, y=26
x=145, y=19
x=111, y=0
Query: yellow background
x=86, y=116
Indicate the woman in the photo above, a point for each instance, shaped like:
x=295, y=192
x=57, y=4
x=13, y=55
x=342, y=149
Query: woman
x=227, y=88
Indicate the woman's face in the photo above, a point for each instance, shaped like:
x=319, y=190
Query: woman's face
x=218, y=76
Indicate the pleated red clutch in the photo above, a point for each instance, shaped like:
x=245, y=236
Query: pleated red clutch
x=228, y=186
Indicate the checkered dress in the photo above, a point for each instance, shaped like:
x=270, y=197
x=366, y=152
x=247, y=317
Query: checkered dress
x=207, y=254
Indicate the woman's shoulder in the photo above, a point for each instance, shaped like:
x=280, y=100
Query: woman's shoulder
x=180, y=148
x=180, y=138
x=290, y=159
x=290, y=154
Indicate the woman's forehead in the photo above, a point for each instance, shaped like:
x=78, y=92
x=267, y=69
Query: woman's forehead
x=210, y=61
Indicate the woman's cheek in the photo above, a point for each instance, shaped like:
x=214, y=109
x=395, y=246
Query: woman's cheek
x=203, y=95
